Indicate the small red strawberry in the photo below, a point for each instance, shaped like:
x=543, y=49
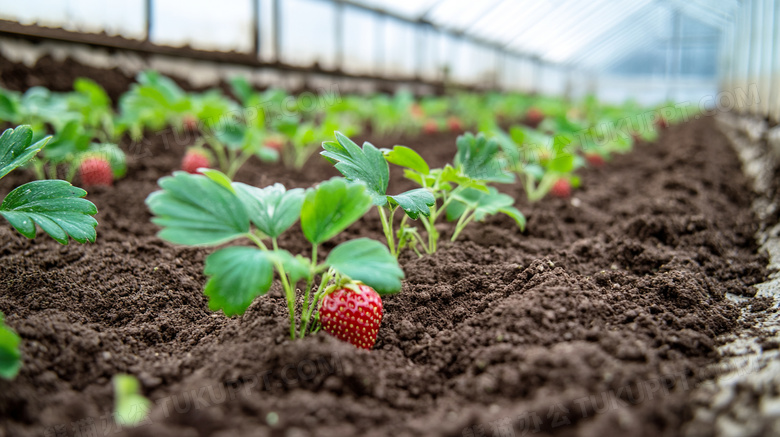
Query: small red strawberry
x=454, y=124
x=96, y=171
x=194, y=159
x=274, y=143
x=595, y=160
x=430, y=127
x=534, y=116
x=352, y=316
x=561, y=188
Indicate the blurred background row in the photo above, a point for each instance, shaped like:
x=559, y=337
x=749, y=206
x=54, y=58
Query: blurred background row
x=651, y=50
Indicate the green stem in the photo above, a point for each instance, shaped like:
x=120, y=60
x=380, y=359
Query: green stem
x=236, y=163
x=387, y=226
x=306, y=317
x=463, y=221
x=219, y=150
x=255, y=239
x=308, y=289
x=52, y=170
x=290, y=295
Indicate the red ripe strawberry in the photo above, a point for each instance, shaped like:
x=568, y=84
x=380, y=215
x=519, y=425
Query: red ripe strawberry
x=274, y=143
x=454, y=124
x=561, y=188
x=193, y=160
x=595, y=160
x=352, y=316
x=430, y=127
x=96, y=171
x=534, y=116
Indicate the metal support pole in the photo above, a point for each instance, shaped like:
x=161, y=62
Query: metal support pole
x=380, y=45
x=256, y=28
x=277, y=23
x=149, y=8
x=338, y=34
x=774, y=92
x=755, y=51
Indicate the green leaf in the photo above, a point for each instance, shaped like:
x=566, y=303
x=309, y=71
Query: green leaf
x=477, y=158
x=130, y=406
x=484, y=204
x=54, y=205
x=368, y=261
x=405, y=157
x=237, y=275
x=10, y=356
x=220, y=178
x=367, y=165
x=561, y=163
x=272, y=209
x=16, y=148
x=331, y=207
x=195, y=210
x=414, y=202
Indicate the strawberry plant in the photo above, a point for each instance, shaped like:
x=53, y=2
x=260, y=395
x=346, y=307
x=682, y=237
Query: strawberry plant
x=55, y=206
x=209, y=209
x=462, y=188
x=10, y=356
x=368, y=165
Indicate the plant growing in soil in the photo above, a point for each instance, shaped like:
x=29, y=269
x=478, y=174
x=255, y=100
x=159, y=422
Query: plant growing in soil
x=130, y=406
x=368, y=164
x=462, y=188
x=10, y=356
x=210, y=209
x=540, y=160
x=54, y=205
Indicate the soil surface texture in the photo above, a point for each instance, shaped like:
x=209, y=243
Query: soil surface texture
x=599, y=320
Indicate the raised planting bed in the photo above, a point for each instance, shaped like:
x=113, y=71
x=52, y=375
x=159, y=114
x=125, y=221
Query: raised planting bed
x=603, y=318
x=614, y=295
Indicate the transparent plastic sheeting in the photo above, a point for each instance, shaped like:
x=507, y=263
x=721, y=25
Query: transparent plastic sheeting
x=750, y=62
x=545, y=45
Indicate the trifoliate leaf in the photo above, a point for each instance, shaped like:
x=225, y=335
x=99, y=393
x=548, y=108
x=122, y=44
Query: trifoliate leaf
x=366, y=164
x=54, y=205
x=195, y=210
x=272, y=209
x=16, y=148
x=414, y=202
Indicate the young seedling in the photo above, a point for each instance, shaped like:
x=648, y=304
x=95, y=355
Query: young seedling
x=130, y=407
x=10, y=356
x=54, y=205
x=463, y=188
x=369, y=165
x=210, y=209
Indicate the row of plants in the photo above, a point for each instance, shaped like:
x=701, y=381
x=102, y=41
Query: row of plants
x=537, y=141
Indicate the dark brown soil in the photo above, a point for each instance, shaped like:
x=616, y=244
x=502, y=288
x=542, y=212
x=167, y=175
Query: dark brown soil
x=599, y=320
